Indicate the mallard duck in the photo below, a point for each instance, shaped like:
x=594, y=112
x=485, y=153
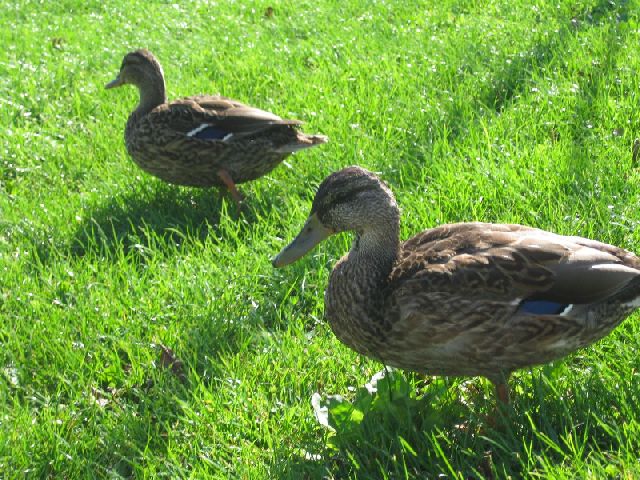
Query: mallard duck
x=202, y=141
x=466, y=299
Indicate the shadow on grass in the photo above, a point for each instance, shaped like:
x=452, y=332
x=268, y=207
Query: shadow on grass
x=437, y=433
x=165, y=214
x=131, y=219
x=511, y=81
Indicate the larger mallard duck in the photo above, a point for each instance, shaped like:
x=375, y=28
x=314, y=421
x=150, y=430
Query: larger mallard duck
x=202, y=141
x=465, y=299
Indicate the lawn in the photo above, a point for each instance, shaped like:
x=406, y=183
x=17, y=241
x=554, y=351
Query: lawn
x=144, y=332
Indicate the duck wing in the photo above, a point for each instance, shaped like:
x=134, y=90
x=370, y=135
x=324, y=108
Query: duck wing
x=207, y=117
x=528, y=269
x=485, y=299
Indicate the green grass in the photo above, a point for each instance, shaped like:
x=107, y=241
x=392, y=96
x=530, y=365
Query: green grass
x=501, y=111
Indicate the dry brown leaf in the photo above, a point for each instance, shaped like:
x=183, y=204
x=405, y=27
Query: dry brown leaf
x=168, y=359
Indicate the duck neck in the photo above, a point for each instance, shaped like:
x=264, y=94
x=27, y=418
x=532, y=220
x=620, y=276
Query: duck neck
x=356, y=294
x=152, y=94
x=377, y=249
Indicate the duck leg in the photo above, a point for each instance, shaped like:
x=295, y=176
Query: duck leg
x=502, y=395
x=500, y=381
x=502, y=392
x=231, y=186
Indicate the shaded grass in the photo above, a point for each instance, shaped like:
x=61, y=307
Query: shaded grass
x=494, y=111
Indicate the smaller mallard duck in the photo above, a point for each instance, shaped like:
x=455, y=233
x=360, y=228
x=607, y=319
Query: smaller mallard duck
x=465, y=299
x=202, y=141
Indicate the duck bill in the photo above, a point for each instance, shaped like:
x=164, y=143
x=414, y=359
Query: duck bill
x=312, y=233
x=116, y=82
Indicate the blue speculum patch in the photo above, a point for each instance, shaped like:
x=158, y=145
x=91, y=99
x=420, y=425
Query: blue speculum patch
x=211, y=133
x=542, y=307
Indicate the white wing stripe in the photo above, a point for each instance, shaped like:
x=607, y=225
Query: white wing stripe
x=197, y=130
